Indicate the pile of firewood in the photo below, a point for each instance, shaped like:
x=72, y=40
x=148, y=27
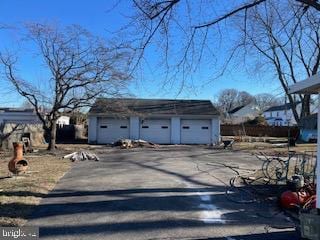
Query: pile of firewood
x=128, y=143
x=82, y=156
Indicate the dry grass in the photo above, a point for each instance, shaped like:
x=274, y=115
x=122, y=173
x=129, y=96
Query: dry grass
x=20, y=195
x=269, y=148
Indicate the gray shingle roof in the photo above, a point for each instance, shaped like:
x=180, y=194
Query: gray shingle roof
x=236, y=109
x=281, y=107
x=132, y=106
x=16, y=110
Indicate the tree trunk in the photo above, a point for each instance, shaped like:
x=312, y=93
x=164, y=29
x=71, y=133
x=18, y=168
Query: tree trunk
x=305, y=106
x=52, y=136
x=293, y=106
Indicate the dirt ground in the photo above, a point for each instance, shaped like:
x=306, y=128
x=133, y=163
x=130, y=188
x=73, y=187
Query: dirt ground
x=20, y=194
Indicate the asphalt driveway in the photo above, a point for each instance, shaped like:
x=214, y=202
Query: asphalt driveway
x=166, y=193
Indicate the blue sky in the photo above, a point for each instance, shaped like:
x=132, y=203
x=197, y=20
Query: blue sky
x=102, y=18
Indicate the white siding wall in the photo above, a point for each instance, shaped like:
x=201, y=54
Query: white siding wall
x=286, y=115
x=175, y=130
x=63, y=120
x=175, y=134
x=134, y=128
x=215, y=128
x=92, y=129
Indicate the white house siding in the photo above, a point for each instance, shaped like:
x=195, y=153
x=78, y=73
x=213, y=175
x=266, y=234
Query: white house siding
x=215, y=128
x=134, y=127
x=280, y=118
x=283, y=117
x=202, y=130
x=92, y=129
x=175, y=130
x=63, y=120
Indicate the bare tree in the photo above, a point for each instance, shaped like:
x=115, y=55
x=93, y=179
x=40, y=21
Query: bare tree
x=27, y=104
x=81, y=69
x=228, y=99
x=244, y=98
x=281, y=36
x=266, y=100
x=290, y=48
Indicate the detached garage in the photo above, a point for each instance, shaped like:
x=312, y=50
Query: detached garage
x=158, y=121
x=156, y=130
x=110, y=130
x=195, y=131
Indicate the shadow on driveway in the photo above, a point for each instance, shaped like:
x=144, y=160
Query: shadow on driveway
x=137, y=226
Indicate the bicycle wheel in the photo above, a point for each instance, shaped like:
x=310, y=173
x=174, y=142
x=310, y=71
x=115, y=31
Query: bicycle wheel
x=275, y=169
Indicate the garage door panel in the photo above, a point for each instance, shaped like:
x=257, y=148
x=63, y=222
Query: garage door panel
x=157, y=130
x=195, y=131
x=110, y=130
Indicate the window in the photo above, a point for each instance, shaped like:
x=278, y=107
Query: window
x=103, y=126
x=123, y=127
x=185, y=127
x=164, y=127
x=204, y=127
x=277, y=114
x=145, y=126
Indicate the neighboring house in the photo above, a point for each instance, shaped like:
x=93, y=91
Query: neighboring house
x=244, y=113
x=308, y=128
x=63, y=120
x=281, y=115
x=25, y=116
x=158, y=121
x=17, y=123
x=18, y=115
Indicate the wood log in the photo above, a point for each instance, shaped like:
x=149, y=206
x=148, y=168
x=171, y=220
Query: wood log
x=69, y=155
x=82, y=156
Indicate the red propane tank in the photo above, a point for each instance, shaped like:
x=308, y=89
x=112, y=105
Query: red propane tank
x=289, y=199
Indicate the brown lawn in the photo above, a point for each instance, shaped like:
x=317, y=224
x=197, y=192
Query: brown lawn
x=20, y=194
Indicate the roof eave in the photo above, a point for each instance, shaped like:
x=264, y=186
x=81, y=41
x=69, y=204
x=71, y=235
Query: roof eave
x=152, y=115
x=309, y=86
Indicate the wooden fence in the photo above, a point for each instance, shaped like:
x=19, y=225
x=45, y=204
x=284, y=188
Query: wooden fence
x=259, y=131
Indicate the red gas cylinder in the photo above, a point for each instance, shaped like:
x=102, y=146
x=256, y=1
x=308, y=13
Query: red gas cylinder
x=289, y=199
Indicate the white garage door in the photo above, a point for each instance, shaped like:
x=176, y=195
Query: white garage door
x=195, y=131
x=110, y=130
x=157, y=131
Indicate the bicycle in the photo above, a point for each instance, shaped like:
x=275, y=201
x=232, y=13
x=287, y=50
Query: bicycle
x=276, y=168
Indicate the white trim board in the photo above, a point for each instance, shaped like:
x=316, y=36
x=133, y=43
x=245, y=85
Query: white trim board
x=311, y=85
